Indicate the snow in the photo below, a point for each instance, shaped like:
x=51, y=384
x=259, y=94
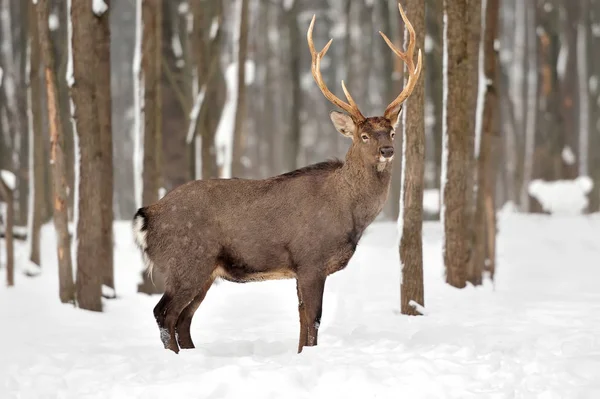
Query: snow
x=214, y=27
x=99, y=7
x=533, y=335
x=224, y=135
x=444, y=172
x=431, y=201
x=481, y=87
x=564, y=197
x=9, y=178
x=567, y=155
x=53, y=22
x=183, y=8
x=288, y=4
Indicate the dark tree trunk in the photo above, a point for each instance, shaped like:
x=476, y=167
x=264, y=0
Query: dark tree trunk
x=57, y=160
x=36, y=144
x=151, y=70
x=176, y=99
x=293, y=144
x=457, y=151
x=90, y=264
x=474, y=41
x=411, y=244
x=594, y=123
x=104, y=104
x=484, y=252
x=7, y=195
x=239, y=133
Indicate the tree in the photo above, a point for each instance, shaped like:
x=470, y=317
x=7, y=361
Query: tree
x=84, y=92
x=104, y=112
x=147, y=71
x=456, y=151
x=36, y=144
x=57, y=159
x=239, y=135
x=413, y=162
x=484, y=251
x=7, y=194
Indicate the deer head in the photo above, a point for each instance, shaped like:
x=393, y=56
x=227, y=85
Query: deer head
x=372, y=137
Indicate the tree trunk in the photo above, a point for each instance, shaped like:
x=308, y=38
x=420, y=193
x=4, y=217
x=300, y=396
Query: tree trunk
x=413, y=162
x=90, y=264
x=7, y=195
x=239, y=134
x=36, y=144
x=484, y=252
x=457, y=113
x=293, y=144
x=594, y=122
x=151, y=118
x=104, y=104
x=473, y=45
x=57, y=160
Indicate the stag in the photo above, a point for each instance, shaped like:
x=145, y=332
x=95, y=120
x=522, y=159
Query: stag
x=301, y=225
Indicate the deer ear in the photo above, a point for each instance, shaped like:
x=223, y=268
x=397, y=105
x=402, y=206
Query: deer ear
x=343, y=123
x=394, y=116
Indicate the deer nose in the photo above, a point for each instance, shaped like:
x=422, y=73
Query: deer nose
x=387, y=152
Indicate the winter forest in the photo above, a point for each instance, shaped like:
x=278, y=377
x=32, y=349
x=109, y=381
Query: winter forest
x=470, y=230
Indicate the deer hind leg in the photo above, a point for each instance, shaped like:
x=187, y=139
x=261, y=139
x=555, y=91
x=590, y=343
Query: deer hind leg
x=311, y=289
x=160, y=311
x=184, y=322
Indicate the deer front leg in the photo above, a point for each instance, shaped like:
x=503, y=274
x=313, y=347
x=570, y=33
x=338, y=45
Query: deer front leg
x=303, y=326
x=311, y=294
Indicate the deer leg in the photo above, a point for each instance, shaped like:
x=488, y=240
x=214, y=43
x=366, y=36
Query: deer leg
x=159, y=315
x=184, y=322
x=303, y=327
x=181, y=299
x=311, y=290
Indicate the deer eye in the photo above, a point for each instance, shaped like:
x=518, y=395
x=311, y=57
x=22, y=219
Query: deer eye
x=364, y=137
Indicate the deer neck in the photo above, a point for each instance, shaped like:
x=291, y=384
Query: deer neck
x=367, y=185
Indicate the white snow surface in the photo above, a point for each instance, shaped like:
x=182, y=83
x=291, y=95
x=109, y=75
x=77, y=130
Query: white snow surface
x=53, y=22
x=533, y=334
x=99, y=7
x=9, y=178
x=566, y=197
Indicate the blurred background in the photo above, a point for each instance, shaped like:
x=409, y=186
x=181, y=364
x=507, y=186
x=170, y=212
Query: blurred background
x=548, y=89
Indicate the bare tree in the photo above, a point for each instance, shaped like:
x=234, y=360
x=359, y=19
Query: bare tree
x=57, y=159
x=104, y=105
x=7, y=194
x=456, y=153
x=36, y=145
x=149, y=116
x=413, y=162
x=84, y=91
x=484, y=252
x=239, y=135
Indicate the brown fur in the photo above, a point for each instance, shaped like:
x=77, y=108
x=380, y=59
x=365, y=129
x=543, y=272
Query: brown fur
x=304, y=224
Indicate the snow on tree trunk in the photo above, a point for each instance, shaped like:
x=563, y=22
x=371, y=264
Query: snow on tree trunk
x=410, y=219
x=57, y=159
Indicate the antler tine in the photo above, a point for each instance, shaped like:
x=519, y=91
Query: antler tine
x=407, y=57
x=351, y=108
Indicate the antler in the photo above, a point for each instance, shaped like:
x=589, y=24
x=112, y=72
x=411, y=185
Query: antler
x=407, y=57
x=351, y=108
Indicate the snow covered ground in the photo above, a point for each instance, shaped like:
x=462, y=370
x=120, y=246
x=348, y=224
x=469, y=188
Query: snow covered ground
x=534, y=334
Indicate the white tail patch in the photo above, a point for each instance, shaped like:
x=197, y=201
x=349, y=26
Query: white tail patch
x=140, y=235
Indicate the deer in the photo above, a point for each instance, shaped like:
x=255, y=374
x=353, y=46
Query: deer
x=303, y=225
